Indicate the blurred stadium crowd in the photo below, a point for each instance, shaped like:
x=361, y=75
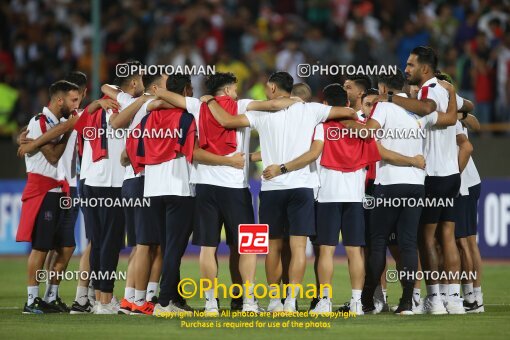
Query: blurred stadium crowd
x=42, y=40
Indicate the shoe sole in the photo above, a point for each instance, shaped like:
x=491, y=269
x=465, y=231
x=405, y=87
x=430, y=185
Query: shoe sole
x=73, y=312
x=124, y=312
x=405, y=313
x=437, y=312
x=137, y=314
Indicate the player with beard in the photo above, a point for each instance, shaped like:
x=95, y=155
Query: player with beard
x=40, y=211
x=442, y=180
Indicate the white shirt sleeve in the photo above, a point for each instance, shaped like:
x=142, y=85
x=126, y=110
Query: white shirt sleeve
x=460, y=101
x=459, y=129
x=319, y=133
x=320, y=111
x=124, y=100
x=428, y=121
x=34, y=129
x=253, y=118
x=380, y=114
x=430, y=95
x=242, y=106
x=193, y=106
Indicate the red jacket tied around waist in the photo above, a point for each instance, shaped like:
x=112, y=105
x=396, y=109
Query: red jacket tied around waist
x=33, y=195
x=347, y=154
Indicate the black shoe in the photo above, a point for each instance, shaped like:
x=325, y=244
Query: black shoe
x=346, y=308
x=154, y=300
x=314, y=303
x=235, y=304
x=76, y=308
x=470, y=307
x=368, y=309
x=405, y=307
x=39, y=306
x=59, y=305
x=181, y=303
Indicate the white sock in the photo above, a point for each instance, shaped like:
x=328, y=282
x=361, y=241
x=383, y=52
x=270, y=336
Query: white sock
x=129, y=294
x=51, y=293
x=32, y=292
x=478, y=295
x=139, y=297
x=81, y=295
x=417, y=295
x=209, y=294
x=273, y=292
x=384, y=293
x=477, y=290
x=356, y=294
x=248, y=295
x=443, y=289
x=325, y=293
x=467, y=292
x=293, y=292
x=152, y=290
x=91, y=293
x=433, y=290
x=454, y=289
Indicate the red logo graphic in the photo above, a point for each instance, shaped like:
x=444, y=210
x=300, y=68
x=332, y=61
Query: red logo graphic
x=253, y=239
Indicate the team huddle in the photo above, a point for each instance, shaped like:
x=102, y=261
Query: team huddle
x=321, y=161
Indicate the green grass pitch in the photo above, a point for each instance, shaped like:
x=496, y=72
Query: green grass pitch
x=494, y=323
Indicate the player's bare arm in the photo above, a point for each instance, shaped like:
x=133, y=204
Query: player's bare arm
x=342, y=113
x=172, y=98
x=256, y=156
x=470, y=121
x=223, y=117
x=398, y=159
x=300, y=162
x=272, y=105
x=205, y=157
x=124, y=117
x=53, y=152
x=448, y=118
x=421, y=107
x=111, y=91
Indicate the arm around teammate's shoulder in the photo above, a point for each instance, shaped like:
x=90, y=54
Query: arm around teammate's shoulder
x=225, y=119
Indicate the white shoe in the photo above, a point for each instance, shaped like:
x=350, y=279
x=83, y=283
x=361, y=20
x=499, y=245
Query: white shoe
x=95, y=304
x=290, y=305
x=479, y=301
x=380, y=304
x=444, y=299
x=455, y=305
x=252, y=306
x=357, y=308
x=418, y=306
x=211, y=307
x=323, y=306
x=393, y=308
x=275, y=306
x=171, y=308
x=434, y=305
x=106, y=309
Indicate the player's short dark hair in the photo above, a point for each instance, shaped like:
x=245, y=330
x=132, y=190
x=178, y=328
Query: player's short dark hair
x=426, y=55
x=361, y=80
x=62, y=86
x=78, y=78
x=217, y=81
x=369, y=92
x=149, y=79
x=129, y=76
x=335, y=95
x=282, y=80
x=178, y=82
x=303, y=91
x=393, y=81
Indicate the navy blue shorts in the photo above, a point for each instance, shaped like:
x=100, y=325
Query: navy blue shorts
x=333, y=217
x=216, y=206
x=291, y=209
x=49, y=232
x=446, y=189
x=86, y=214
x=69, y=216
x=131, y=189
x=467, y=213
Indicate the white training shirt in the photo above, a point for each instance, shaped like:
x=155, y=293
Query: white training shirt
x=469, y=177
x=440, y=149
x=168, y=178
x=286, y=135
x=37, y=163
x=394, y=118
x=137, y=118
x=67, y=163
x=222, y=175
x=338, y=186
x=107, y=172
